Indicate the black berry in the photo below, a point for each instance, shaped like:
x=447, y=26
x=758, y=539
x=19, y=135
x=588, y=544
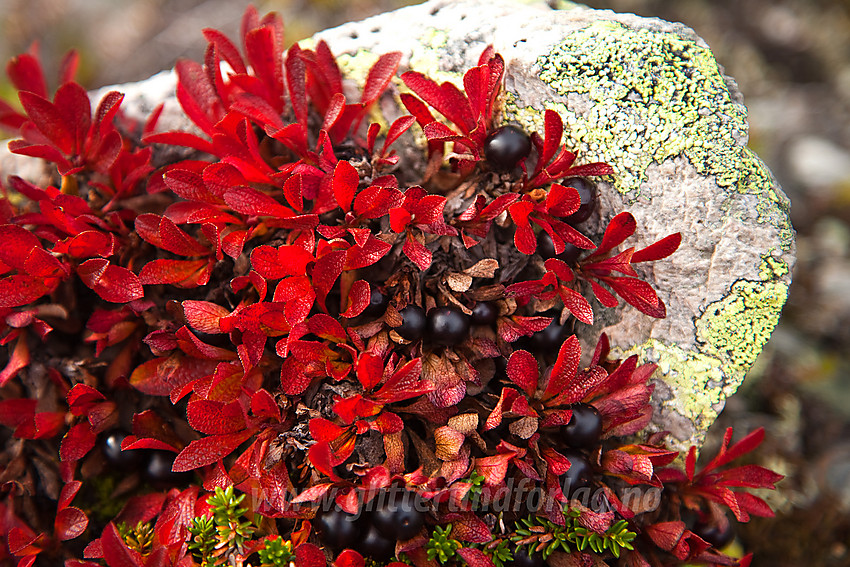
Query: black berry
x=485, y=313
x=584, y=428
x=506, y=146
x=159, y=473
x=373, y=544
x=549, y=339
x=413, y=323
x=587, y=193
x=447, y=326
x=523, y=559
x=338, y=529
x=716, y=535
x=546, y=249
x=397, y=516
x=579, y=475
x=545, y=245
x=377, y=303
x=121, y=460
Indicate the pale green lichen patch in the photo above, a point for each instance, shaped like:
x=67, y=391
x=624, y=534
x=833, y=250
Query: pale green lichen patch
x=737, y=327
x=651, y=96
x=700, y=375
x=773, y=206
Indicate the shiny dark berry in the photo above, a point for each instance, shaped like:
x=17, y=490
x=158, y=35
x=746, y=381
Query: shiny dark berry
x=338, y=529
x=587, y=193
x=716, y=535
x=447, y=326
x=121, y=460
x=413, y=323
x=580, y=473
x=523, y=559
x=549, y=339
x=546, y=249
x=571, y=254
x=545, y=245
x=158, y=470
x=485, y=313
x=373, y=544
x=377, y=304
x=397, y=517
x=506, y=146
x=584, y=428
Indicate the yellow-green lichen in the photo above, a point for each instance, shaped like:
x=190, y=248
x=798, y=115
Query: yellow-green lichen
x=650, y=96
x=700, y=375
x=737, y=327
x=773, y=206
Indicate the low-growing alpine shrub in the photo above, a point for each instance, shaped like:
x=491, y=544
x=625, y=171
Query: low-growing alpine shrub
x=273, y=340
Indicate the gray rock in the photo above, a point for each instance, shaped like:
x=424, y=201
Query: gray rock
x=648, y=97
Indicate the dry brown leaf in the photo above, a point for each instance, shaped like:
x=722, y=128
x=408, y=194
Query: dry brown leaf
x=448, y=443
x=524, y=427
x=485, y=268
x=459, y=282
x=466, y=423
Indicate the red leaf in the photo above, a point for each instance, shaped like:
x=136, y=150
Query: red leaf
x=19, y=359
x=639, y=295
x=204, y=316
x=620, y=228
x=474, y=557
x=565, y=368
x=523, y=371
x=70, y=522
x=26, y=74
x=110, y=282
x=494, y=468
x=21, y=538
x=658, y=250
x=182, y=273
x=345, y=181
x=18, y=290
x=359, y=297
x=79, y=440
x=250, y=201
x=471, y=528
x=207, y=450
x=215, y=418
x=163, y=233
x=161, y=376
x=308, y=555
x=369, y=253
x=417, y=252
x=115, y=551
x=379, y=76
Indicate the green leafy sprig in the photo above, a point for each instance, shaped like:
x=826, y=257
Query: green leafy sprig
x=441, y=547
x=276, y=553
x=545, y=537
x=138, y=538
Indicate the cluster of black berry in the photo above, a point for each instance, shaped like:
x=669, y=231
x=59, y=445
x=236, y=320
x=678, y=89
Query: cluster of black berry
x=374, y=533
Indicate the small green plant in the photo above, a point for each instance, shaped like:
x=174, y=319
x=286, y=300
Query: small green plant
x=138, y=538
x=501, y=553
x=441, y=546
x=232, y=530
x=545, y=537
x=276, y=553
x=223, y=534
x=477, y=484
x=202, y=543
